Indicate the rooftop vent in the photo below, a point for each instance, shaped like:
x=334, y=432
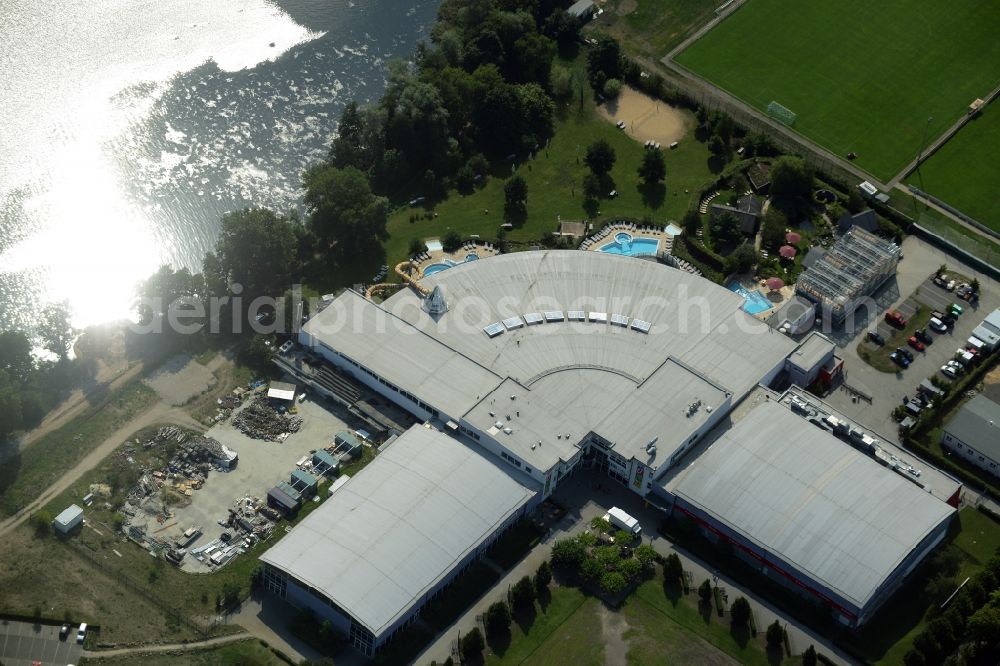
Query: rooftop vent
x=507, y=430
x=435, y=305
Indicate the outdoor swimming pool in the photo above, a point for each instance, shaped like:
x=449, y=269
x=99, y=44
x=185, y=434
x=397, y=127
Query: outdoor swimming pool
x=448, y=263
x=626, y=244
x=754, y=301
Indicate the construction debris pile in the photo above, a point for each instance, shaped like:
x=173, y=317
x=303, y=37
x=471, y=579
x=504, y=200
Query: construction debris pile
x=249, y=521
x=260, y=420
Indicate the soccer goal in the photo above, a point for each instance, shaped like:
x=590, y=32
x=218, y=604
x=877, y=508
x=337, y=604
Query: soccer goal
x=781, y=113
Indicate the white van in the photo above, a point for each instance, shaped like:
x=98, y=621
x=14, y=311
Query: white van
x=81, y=633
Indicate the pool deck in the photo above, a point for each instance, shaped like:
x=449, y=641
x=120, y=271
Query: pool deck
x=606, y=235
x=430, y=257
x=777, y=298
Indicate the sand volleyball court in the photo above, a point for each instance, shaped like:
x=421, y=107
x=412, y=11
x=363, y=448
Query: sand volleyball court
x=645, y=118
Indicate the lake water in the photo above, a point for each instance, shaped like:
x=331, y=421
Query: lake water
x=129, y=126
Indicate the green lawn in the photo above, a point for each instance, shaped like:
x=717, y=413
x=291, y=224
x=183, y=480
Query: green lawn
x=965, y=171
x=652, y=28
x=975, y=244
x=649, y=628
x=554, y=179
x=24, y=476
x=860, y=76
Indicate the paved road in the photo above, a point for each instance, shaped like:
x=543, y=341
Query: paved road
x=173, y=647
x=159, y=412
x=579, y=491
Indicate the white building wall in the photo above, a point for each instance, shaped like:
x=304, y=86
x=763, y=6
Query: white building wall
x=970, y=454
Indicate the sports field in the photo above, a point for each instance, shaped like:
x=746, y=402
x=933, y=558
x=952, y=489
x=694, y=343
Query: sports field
x=965, y=172
x=861, y=76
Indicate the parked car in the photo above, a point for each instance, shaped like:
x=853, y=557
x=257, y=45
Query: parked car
x=895, y=318
x=949, y=371
x=899, y=360
x=916, y=344
x=876, y=338
x=905, y=354
x=937, y=325
x=81, y=633
x=63, y=632
x=924, y=336
x=956, y=310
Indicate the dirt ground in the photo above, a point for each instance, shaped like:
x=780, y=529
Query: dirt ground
x=646, y=119
x=180, y=379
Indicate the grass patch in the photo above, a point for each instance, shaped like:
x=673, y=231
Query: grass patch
x=652, y=28
x=244, y=653
x=975, y=244
x=878, y=357
x=555, y=189
x=965, y=170
x=26, y=475
x=860, y=77
x=553, y=628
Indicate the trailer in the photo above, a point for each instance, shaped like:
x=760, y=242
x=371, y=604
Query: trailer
x=623, y=521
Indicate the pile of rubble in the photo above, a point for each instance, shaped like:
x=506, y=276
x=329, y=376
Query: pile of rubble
x=260, y=420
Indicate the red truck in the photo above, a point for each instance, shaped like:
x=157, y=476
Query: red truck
x=895, y=318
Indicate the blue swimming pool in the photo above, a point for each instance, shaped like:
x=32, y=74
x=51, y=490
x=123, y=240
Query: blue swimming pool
x=448, y=263
x=754, y=301
x=626, y=244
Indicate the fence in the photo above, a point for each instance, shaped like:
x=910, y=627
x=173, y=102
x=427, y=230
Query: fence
x=954, y=211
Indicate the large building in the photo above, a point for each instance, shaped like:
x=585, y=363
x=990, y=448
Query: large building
x=974, y=434
x=809, y=510
x=393, y=536
x=528, y=366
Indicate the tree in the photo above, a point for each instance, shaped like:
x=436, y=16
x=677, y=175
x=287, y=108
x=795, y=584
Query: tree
x=739, y=612
x=543, y=576
x=531, y=60
x=775, y=635
x=623, y=537
x=984, y=625
x=15, y=355
x=613, y=582
x=416, y=246
x=742, y=259
x=11, y=416
x=256, y=249
x=56, y=329
x=472, y=644
x=452, y=241
x=653, y=168
x=809, y=656
x=791, y=177
x=604, y=61
x=691, y=222
x=630, y=568
x=497, y=618
x=600, y=157
x=705, y=591
x=522, y=593
x=591, y=187
x=645, y=555
x=914, y=657
x=568, y=553
x=725, y=229
x=562, y=27
x=612, y=88
x=561, y=83
x=343, y=211
x=772, y=229
x=975, y=285
x=515, y=207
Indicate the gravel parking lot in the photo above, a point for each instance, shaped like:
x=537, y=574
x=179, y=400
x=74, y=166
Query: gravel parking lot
x=23, y=643
x=261, y=465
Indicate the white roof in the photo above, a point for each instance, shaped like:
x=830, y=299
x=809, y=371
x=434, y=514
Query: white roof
x=813, y=501
x=378, y=544
x=69, y=514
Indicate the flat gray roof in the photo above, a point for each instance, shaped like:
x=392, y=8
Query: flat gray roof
x=811, y=500
x=395, y=529
x=977, y=424
x=812, y=350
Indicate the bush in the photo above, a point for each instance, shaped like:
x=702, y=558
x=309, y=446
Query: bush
x=740, y=612
x=613, y=582
x=591, y=569
x=601, y=525
x=42, y=522
x=691, y=222
x=472, y=644
x=645, y=555
x=523, y=593
x=568, y=553
x=630, y=568
x=497, y=619
x=612, y=88
x=809, y=656
x=543, y=576
x=775, y=635
x=741, y=260
x=451, y=241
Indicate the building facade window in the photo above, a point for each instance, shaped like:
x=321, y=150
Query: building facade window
x=362, y=639
x=275, y=581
